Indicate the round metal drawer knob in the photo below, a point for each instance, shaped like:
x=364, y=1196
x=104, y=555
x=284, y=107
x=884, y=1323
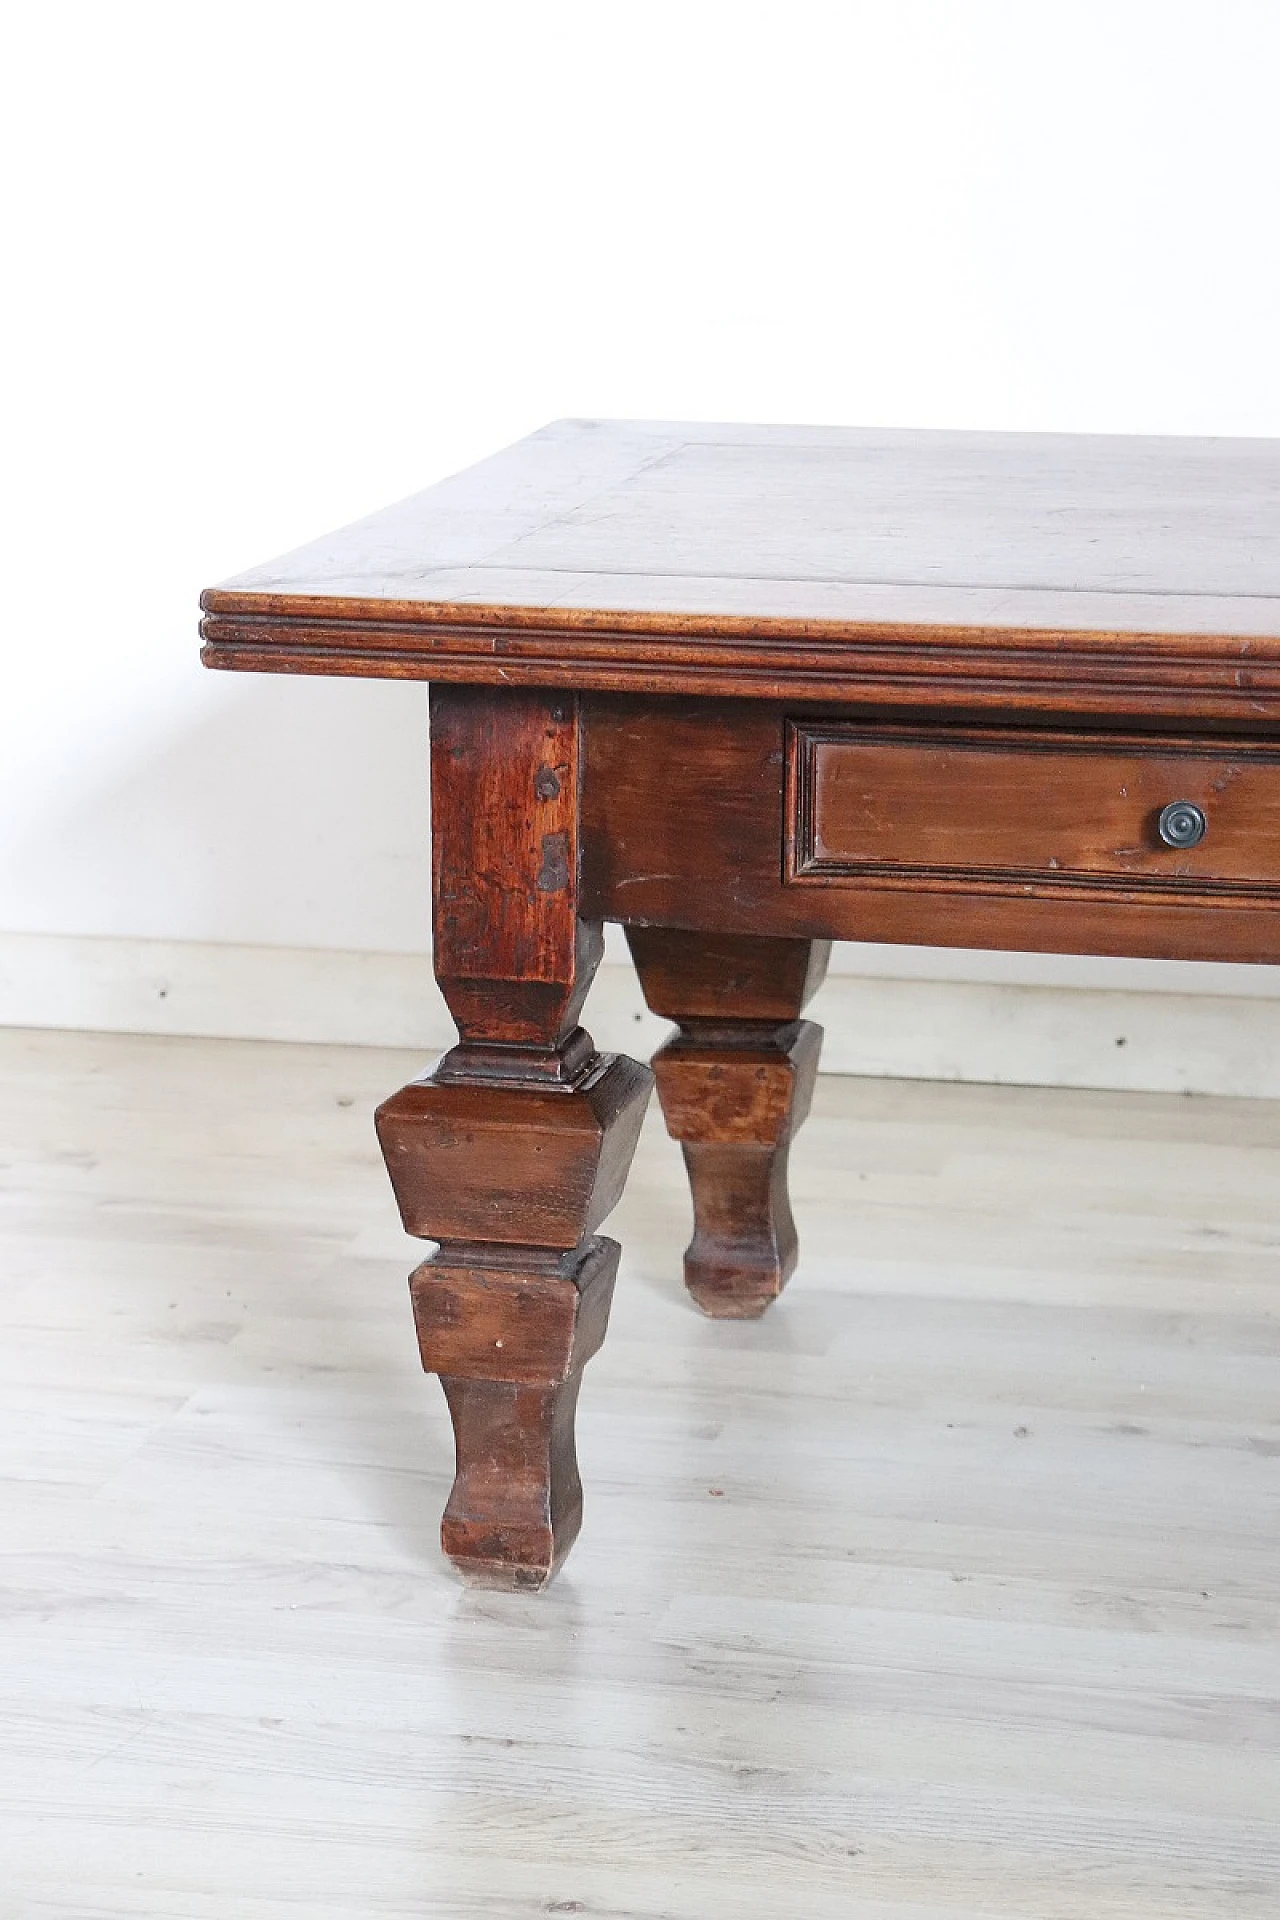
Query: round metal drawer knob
x=1182, y=824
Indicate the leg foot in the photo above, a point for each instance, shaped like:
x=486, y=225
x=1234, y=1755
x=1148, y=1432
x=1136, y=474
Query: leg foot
x=744, y=1247
x=735, y=1083
x=509, y=1343
x=733, y=1111
x=513, y=1150
x=513, y=1181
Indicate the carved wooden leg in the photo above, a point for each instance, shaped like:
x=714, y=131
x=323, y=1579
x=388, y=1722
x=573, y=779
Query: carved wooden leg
x=735, y=1083
x=516, y=1146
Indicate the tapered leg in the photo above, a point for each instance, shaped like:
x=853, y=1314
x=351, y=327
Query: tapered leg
x=512, y=1151
x=735, y=1083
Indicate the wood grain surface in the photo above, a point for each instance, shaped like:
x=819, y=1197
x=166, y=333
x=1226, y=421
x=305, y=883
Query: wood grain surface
x=1047, y=608
x=1065, y=812
x=687, y=822
x=512, y=956
x=945, y=1592
x=735, y=1082
x=820, y=563
x=516, y=1145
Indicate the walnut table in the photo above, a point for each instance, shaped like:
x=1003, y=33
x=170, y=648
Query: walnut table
x=747, y=690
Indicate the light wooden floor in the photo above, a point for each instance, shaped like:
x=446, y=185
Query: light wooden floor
x=952, y=1589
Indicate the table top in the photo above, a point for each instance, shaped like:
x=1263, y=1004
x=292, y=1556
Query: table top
x=831, y=562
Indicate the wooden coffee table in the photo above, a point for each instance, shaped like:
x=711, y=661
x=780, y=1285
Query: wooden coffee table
x=747, y=690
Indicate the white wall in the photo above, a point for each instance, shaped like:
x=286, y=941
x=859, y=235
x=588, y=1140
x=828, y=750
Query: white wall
x=273, y=265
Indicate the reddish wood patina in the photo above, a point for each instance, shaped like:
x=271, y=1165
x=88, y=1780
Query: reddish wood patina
x=746, y=690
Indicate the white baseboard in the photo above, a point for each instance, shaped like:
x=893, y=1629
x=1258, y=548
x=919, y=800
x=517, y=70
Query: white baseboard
x=221, y=991
x=910, y=1028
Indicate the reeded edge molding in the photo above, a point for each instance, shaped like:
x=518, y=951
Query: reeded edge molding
x=1210, y=676
x=357, y=611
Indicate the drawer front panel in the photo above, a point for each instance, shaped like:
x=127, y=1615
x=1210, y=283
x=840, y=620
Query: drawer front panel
x=1028, y=812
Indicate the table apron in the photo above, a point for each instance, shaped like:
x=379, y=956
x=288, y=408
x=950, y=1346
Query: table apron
x=742, y=816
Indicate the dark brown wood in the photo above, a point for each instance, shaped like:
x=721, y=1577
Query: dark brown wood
x=515, y=1147
x=721, y=977
x=1067, y=813
x=687, y=823
x=531, y=1165
x=1184, y=677
x=513, y=957
x=735, y=1083
x=509, y=1342
x=745, y=690
x=1003, y=570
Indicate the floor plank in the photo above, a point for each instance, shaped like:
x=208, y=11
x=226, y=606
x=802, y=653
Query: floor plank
x=950, y=1590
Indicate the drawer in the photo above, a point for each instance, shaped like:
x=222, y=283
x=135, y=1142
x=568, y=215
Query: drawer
x=1031, y=812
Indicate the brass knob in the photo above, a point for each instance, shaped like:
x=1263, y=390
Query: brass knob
x=1182, y=824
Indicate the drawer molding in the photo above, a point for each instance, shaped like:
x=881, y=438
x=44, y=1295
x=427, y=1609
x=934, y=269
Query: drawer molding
x=809, y=858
